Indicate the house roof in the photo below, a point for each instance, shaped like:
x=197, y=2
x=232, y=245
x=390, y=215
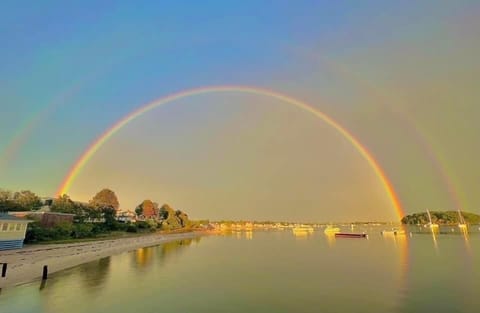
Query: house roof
x=8, y=217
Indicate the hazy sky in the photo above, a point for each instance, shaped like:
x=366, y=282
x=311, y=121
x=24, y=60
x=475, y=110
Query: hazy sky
x=402, y=76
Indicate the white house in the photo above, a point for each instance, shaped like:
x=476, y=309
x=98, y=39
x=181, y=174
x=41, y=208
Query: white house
x=12, y=231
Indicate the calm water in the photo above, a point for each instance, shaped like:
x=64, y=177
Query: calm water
x=270, y=271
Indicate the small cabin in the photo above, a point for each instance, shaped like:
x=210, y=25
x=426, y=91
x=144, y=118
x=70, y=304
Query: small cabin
x=12, y=231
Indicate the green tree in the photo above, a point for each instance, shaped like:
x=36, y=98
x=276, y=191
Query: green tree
x=139, y=210
x=27, y=200
x=5, y=195
x=105, y=198
x=64, y=204
x=24, y=200
x=109, y=216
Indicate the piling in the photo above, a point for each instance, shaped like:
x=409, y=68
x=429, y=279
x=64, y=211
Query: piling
x=4, y=269
x=45, y=272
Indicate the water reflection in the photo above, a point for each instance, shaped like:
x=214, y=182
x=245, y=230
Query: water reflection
x=434, y=237
x=143, y=258
x=302, y=232
x=330, y=239
x=239, y=234
x=464, y=231
x=95, y=273
x=91, y=275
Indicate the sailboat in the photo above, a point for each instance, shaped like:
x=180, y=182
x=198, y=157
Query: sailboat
x=461, y=221
x=433, y=226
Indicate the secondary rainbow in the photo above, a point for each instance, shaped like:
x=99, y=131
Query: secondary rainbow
x=93, y=148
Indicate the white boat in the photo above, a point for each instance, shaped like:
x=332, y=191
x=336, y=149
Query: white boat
x=307, y=229
x=331, y=230
x=394, y=232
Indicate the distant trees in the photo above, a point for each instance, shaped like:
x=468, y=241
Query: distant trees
x=27, y=199
x=105, y=198
x=164, y=218
x=98, y=217
x=441, y=217
x=24, y=200
x=172, y=219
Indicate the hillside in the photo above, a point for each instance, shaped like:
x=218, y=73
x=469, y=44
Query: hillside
x=441, y=218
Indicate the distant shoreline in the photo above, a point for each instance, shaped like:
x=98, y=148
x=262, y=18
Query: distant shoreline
x=25, y=265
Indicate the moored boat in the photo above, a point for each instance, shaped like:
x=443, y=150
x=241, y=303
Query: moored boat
x=461, y=222
x=351, y=235
x=331, y=230
x=395, y=232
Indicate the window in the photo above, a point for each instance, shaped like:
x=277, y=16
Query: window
x=4, y=226
x=17, y=228
x=11, y=227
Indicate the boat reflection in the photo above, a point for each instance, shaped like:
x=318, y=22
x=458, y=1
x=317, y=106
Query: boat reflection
x=302, y=231
x=330, y=239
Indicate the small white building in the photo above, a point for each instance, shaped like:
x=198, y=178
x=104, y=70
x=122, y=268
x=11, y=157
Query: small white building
x=12, y=231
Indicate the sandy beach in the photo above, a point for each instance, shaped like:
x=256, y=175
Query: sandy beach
x=25, y=265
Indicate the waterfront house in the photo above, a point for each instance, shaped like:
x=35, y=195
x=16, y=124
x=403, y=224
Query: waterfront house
x=126, y=216
x=12, y=231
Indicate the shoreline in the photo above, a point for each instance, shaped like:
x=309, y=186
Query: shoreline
x=25, y=265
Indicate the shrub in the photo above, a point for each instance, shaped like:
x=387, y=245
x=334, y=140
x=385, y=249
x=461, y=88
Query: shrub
x=131, y=228
x=82, y=231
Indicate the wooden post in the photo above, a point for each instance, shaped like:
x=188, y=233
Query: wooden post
x=45, y=272
x=4, y=269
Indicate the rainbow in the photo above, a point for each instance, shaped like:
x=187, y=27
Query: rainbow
x=33, y=121
x=28, y=127
x=424, y=142
x=97, y=144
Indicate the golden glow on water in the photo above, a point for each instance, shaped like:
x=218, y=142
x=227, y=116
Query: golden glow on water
x=434, y=232
x=302, y=231
x=143, y=256
x=300, y=234
x=330, y=239
x=464, y=231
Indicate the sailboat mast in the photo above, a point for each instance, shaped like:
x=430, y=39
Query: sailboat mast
x=460, y=217
x=429, y=217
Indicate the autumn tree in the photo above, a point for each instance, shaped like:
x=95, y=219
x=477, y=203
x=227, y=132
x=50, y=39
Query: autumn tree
x=147, y=208
x=105, y=198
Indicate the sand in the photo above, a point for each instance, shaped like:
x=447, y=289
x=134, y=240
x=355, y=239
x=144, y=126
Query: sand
x=26, y=265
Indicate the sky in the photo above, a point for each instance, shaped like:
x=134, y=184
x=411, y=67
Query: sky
x=402, y=77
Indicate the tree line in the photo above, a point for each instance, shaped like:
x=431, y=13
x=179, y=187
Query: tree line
x=95, y=218
x=441, y=218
